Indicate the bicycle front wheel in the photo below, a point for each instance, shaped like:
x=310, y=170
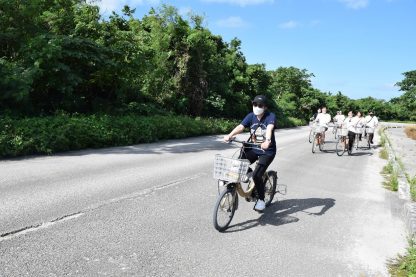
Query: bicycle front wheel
x=224, y=209
x=310, y=136
x=340, y=147
x=314, y=144
x=270, y=187
x=357, y=139
x=321, y=143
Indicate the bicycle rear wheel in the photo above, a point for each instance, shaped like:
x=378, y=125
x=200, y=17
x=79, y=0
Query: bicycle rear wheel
x=225, y=208
x=270, y=187
x=340, y=146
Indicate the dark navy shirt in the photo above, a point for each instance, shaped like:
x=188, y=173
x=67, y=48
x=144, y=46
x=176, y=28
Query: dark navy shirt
x=258, y=130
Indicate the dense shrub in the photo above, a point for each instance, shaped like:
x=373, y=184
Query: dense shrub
x=46, y=135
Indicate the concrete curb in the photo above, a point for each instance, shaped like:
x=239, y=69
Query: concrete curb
x=409, y=207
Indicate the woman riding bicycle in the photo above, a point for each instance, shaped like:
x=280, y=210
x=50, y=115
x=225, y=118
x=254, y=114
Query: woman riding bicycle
x=261, y=123
x=323, y=119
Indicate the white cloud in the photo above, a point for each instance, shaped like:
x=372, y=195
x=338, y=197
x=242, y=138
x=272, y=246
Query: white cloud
x=232, y=22
x=241, y=3
x=355, y=4
x=115, y=5
x=291, y=24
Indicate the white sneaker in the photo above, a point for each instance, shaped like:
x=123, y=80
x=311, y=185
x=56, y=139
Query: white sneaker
x=260, y=206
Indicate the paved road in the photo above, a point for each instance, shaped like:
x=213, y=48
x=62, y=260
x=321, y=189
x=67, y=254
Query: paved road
x=147, y=211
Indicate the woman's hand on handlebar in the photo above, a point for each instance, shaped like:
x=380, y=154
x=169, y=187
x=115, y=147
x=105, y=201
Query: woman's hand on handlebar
x=227, y=138
x=265, y=144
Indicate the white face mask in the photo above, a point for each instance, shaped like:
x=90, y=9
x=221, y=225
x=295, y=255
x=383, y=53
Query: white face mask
x=258, y=111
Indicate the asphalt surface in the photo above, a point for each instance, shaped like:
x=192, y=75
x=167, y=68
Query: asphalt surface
x=146, y=210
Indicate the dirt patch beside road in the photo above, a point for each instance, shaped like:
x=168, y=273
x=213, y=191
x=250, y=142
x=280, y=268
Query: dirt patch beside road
x=411, y=131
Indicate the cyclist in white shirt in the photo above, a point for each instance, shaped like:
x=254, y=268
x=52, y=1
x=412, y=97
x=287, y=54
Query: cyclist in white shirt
x=322, y=120
x=360, y=124
x=351, y=123
x=371, y=121
x=339, y=119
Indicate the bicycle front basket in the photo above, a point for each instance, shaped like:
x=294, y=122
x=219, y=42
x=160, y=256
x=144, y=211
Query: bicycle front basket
x=229, y=169
x=319, y=129
x=343, y=132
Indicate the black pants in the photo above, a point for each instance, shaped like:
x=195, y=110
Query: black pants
x=351, y=138
x=370, y=137
x=261, y=167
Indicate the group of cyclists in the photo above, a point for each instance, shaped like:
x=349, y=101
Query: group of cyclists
x=261, y=123
x=353, y=124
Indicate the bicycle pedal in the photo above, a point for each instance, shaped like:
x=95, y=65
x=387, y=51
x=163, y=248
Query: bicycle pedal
x=249, y=199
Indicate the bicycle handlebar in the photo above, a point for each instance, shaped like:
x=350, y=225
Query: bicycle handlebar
x=246, y=143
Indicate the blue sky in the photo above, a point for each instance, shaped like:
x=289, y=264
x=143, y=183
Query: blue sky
x=358, y=47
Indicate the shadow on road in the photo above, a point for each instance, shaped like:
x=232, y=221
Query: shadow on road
x=283, y=212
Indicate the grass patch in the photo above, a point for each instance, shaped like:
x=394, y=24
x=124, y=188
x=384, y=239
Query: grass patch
x=394, y=182
x=412, y=184
x=384, y=154
x=388, y=168
x=411, y=131
x=391, y=182
x=403, y=266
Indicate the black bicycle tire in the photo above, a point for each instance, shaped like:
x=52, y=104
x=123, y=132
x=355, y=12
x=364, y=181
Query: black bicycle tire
x=357, y=141
x=272, y=176
x=217, y=226
x=313, y=144
x=342, y=151
x=321, y=144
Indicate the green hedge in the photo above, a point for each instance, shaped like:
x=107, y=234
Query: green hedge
x=47, y=135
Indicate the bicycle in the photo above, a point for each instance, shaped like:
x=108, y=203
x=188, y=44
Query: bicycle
x=318, y=138
x=361, y=131
x=231, y=173
x=312, y=124
x=335, y=129
x=342, y=143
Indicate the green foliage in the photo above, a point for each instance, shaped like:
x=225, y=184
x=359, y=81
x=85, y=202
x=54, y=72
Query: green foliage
x=63, y=56
x=388, y=168
x=412, y=184
x=404, y=266
x=46, y=135
x=384, y=154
